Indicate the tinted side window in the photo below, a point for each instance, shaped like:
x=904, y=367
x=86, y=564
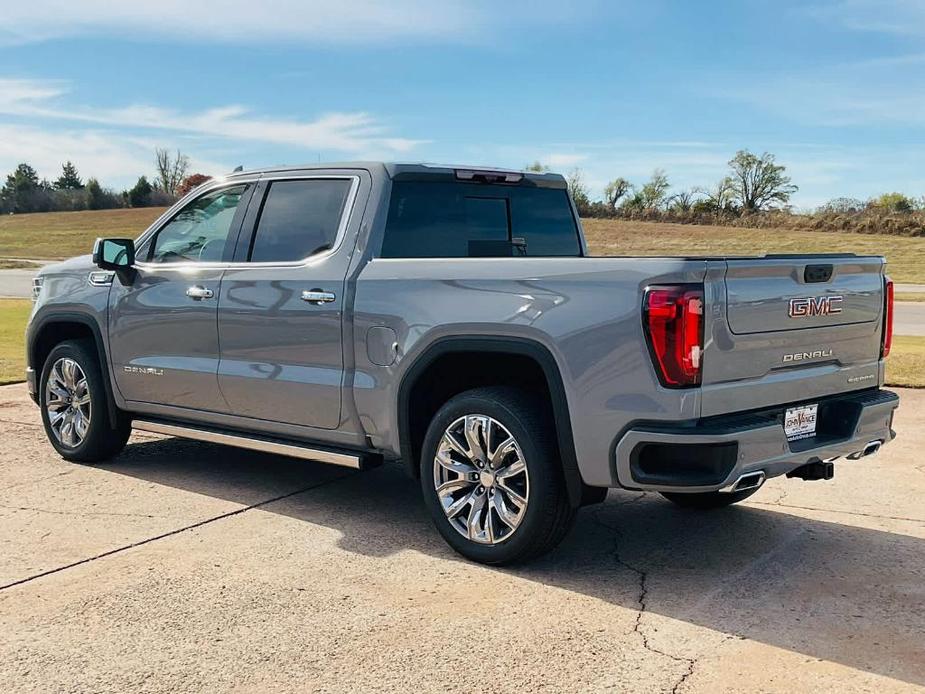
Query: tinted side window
x=298, y=219
x=199, y=232
x=434, y=219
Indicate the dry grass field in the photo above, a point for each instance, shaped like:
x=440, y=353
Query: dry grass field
x=66, y=234
x=905, y=255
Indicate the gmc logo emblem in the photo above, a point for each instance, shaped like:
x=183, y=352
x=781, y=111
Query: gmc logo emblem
x=815, y=306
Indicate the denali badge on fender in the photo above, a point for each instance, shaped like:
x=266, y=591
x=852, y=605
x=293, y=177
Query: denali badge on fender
x=815, y=306
x=143, y=370
x=804, y=356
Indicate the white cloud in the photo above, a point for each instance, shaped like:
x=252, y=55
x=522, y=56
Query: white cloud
x=353, y=133
x=237, y=21
x=115, y=160
x=563, y=160
x=901, y=17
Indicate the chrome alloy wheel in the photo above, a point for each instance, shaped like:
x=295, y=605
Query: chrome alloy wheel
x=481, y=479
x=67, y=400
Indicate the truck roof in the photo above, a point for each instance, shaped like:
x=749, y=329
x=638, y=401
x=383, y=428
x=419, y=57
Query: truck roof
x=395, y=169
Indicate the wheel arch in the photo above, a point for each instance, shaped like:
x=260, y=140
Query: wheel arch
x=47, y=331
x=521, y=348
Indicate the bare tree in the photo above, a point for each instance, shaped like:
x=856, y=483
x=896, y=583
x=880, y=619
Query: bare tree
x=683, y=201
x=578, y=190
x=537, y=167
x=615, y=191
x=170, y=170
x=758, y=183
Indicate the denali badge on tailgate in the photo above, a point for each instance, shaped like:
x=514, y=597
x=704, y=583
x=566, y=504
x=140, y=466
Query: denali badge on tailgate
x=815, y=306
x=805, y=356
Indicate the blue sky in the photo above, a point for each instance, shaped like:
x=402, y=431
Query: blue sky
x=835, y=88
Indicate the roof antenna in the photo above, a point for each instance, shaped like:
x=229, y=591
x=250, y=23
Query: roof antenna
x=238, y=168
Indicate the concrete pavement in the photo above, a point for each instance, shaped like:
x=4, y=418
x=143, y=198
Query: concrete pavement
x=187, y=566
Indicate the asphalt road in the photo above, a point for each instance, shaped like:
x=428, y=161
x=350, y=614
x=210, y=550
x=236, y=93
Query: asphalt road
x=16, y=284
x=910, y=317
x=183, y=566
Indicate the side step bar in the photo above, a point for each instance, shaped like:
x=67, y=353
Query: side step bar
x=355, y=461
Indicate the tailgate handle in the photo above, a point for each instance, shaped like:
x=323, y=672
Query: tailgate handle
x=817, y=273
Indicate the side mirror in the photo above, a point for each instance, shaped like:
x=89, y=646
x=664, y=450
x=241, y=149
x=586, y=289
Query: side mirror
x=114, y=254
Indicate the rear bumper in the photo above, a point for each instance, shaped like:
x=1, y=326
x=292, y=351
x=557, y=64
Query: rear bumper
x=712, y=454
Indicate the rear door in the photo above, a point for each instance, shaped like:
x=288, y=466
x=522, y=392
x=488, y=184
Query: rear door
x=163, y=336
x=281, y=310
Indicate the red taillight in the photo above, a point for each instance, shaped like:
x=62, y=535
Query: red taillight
x=887, y=318
x=674, y=327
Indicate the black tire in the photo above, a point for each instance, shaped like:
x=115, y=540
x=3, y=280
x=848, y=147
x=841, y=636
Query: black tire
x=708, y=500
x=548, y=515
x=102, y=441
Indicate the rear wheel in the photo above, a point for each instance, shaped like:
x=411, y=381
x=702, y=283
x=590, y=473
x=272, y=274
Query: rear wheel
x=75, y=406
x=492, y=479
x=708, y=500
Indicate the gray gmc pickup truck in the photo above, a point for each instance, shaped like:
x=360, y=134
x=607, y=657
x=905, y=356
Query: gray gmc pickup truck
x=451, y=318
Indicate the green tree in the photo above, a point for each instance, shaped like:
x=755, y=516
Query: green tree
x=894, y=202
x=69, y=178
x=140, y=194
x=655, y=190
x=21, y=189
x=96, y=200
x=537, y=167
x=758, y=183
x=716, y=199
x=615, y=191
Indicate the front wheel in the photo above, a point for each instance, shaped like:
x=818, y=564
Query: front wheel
x=74, y=405
x=492, y=479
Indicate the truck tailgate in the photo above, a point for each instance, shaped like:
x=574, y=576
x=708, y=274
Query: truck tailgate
x=781, y=294
x=784, y=329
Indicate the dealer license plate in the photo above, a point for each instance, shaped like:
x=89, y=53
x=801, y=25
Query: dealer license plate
x=800, y=422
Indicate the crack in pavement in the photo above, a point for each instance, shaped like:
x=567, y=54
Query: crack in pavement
x=38, y=479
x=78, y=513
x=642, y=600
x=832, y=510
x=171, y=533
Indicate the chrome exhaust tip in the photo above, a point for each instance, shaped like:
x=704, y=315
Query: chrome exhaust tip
x=871, y=448
x=750, y=480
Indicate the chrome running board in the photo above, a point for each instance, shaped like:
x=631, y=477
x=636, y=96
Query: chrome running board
x=251, y=443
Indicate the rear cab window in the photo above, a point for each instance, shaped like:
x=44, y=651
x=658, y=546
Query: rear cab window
x=460, y=219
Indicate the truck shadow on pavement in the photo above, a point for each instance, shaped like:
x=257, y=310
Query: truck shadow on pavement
x=828, y=591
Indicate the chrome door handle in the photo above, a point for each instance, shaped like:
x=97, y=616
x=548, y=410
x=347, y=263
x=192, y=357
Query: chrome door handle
x=318, y=296
x=199, y=293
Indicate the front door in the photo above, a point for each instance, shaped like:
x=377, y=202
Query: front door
x=163, y=336
x=281, y=308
